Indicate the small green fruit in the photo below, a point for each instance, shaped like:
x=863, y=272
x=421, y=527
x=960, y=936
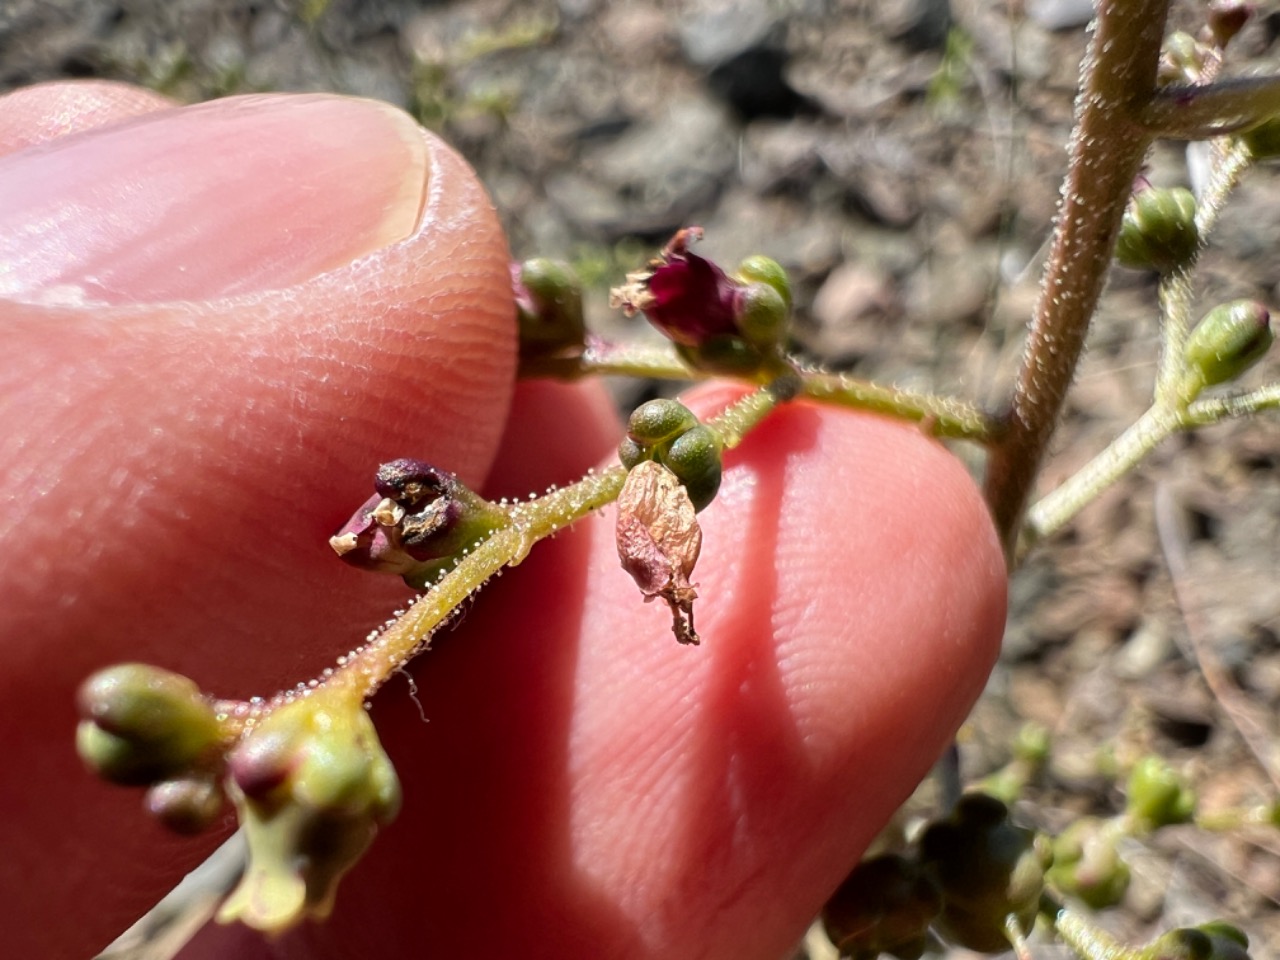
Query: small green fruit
x=659, y=421
x=1157, y=796
x=1159, y=230
x=761, y=269
x=1230, y=339
x=762, y=316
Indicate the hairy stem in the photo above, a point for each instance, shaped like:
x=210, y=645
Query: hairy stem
x=1210, y=110
x=1106, y=153
x=1123, y=454
x=365, y=669
x=947, y=416
x=1088, y=941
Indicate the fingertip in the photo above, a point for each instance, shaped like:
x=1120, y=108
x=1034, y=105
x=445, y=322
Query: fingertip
x=34, y=115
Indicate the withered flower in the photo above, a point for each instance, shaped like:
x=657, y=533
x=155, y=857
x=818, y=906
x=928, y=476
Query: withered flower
x=659, y=541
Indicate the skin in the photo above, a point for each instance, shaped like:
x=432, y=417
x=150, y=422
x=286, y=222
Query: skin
x=217, y=320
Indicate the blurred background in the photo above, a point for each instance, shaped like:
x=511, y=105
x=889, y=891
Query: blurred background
x=902, y=158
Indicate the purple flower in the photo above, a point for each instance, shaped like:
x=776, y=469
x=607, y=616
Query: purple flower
x=687, y=297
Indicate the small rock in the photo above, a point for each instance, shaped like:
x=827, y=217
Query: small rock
x=1060, y=14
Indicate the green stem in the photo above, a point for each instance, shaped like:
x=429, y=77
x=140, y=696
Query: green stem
x=947, y=417
x=1121, y=455
x=1106, y=153
x=365, y=669
x=1233, y=405
x=1088, y=941
x=1175, y=295
x=1210, y=110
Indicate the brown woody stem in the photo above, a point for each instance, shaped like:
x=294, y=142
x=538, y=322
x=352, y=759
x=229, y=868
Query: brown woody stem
x=1106, y=153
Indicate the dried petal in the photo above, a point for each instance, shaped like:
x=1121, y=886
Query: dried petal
x=659, y=541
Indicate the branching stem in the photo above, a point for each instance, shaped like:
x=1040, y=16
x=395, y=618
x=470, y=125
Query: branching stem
x=364, y=670
x=1211, y=110
x=1107, y=150
x=947, y=416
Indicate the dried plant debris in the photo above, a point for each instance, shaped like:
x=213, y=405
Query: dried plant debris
x=659, y=541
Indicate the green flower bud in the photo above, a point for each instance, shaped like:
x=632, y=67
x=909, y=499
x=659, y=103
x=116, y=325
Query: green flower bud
x=761, y=269
x=763, y=316
x=1182, y=60
x=1087, y=864
x=312, y=785
x=987, y=869
x=549, y=308
x=1216, y=940
x=1227, y=942
x=659, y=421
x=1032, y=743
x=666, y=431
x=1263, y=140
x=1230, y=339
x=143, y=724
x=1157, y=796
x=1159, y=230
x=694, y=457
x=188, y=805
x=884, y=906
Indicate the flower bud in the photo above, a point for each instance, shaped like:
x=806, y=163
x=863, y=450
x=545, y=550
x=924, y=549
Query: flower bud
x=694, y=457
x=760, y=269
x=667, y=432
x=659, y=421
x=1182, y=59
x=1230, y=339
x=416, y=524
x=549, y=308
x=312, y=785
x=987, y=869
x=1157, y=796
x=884, y=906
x=1087, y=864
x=187, y=805
x=762, y=316
x=1215, y=940
x=1159, y=230
x=143, y=724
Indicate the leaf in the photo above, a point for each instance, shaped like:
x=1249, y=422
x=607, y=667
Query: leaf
x=659, y=541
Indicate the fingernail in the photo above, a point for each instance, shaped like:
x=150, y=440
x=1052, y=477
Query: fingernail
x=230, y=197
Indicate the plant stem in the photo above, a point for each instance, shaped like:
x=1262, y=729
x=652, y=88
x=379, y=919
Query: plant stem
x=1212, y=409
x=1088, y=941
x=365, y=669
x=1121, y=455
x=947, y=416
x=1210, y=110
x=1106, y=153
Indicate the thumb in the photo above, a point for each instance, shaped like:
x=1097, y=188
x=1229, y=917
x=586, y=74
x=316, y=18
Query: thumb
x=216, y=321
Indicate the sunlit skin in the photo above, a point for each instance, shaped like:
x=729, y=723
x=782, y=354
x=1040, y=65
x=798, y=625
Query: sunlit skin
x=219, y=321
